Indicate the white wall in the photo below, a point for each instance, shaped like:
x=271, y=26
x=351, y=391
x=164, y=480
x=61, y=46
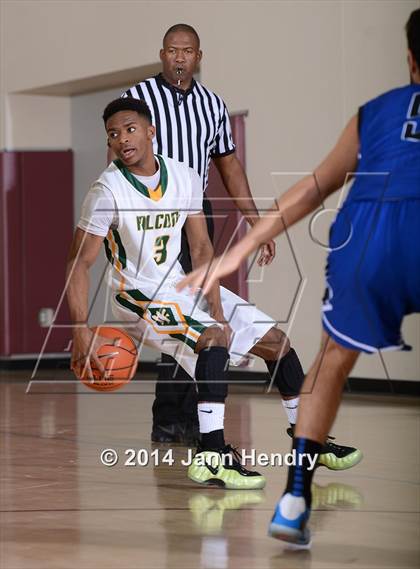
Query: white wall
x=34, y=121
x=300, y=68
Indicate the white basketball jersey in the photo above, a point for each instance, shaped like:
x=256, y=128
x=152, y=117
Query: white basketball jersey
x=144, y=249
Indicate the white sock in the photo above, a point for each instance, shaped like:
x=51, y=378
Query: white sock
x=291, y=408
x=211, y=416
x=291, y=507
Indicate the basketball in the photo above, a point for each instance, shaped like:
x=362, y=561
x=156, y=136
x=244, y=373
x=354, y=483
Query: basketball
x=119, y=358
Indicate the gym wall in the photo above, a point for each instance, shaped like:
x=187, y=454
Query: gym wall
x=300, y=69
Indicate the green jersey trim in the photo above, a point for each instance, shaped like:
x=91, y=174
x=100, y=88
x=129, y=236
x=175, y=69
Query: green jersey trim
x=141, y=188
x=113, y=235
x=138, y=296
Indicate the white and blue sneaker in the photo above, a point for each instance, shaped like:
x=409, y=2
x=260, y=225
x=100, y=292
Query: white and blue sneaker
x=289, y=522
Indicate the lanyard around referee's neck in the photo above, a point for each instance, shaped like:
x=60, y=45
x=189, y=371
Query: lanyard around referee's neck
x=181, y=98
x=181, y=95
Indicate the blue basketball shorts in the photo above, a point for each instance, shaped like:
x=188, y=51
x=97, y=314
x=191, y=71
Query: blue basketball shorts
x=372, y=274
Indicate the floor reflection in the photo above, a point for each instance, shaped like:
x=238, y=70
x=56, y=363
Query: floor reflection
x=335, y=495
x=209, y=510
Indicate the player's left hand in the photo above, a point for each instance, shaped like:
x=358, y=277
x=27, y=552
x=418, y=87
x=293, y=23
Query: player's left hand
x=267, y=253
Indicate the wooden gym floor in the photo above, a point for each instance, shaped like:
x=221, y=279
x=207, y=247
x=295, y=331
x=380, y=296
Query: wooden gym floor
x=62, y=509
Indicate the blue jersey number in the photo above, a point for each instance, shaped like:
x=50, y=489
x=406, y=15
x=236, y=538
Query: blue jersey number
x=411, y=129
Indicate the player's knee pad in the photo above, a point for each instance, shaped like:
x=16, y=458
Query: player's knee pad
x=287, y=374
x=211, y=374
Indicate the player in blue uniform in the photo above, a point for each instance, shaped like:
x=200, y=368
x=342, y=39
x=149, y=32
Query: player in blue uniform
x=373, y=269
x=380, y=221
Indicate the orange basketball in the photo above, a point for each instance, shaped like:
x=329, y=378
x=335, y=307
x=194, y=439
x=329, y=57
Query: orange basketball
x=121, y=367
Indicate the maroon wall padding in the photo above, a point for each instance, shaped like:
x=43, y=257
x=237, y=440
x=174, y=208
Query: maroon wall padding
x=227, y=218
x=10, y=254
x=37, y=227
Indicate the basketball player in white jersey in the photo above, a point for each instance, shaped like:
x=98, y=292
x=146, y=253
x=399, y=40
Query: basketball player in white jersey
x=137, y=209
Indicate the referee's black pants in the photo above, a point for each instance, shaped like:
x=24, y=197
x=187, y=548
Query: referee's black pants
x=176, y=395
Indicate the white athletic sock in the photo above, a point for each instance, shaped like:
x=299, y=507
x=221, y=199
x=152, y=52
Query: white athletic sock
x=291, y=507
x=291, y=408
x=211, y=416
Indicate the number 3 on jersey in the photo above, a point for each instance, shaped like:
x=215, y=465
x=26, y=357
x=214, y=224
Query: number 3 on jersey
x=160, y=249
x=411, y=130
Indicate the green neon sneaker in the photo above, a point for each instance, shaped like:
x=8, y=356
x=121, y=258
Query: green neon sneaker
x=334, y=456
x=223, y=468
x=338, y=457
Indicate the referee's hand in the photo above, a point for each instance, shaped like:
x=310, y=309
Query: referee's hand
x=267, y=253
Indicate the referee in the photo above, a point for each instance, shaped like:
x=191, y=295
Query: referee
x=192, y=126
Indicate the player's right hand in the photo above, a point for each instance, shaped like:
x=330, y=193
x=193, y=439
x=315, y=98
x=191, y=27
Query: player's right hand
x=267, y=253
x=84, y=353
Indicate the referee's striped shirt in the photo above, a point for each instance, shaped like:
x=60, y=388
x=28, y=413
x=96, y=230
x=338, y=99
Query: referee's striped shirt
x=192, y=126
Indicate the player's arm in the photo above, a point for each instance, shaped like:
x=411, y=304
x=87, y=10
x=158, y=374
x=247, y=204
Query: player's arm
x=202, y=252
x=309, y=193
x=83, y=253
x=237, y=186
x=301, y=199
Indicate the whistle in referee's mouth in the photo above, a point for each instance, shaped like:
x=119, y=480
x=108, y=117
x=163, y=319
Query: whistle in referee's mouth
x=179, y=71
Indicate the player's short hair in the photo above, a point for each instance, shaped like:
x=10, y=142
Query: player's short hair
x=413, y=34
x=127, y=104
x=182, y=28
